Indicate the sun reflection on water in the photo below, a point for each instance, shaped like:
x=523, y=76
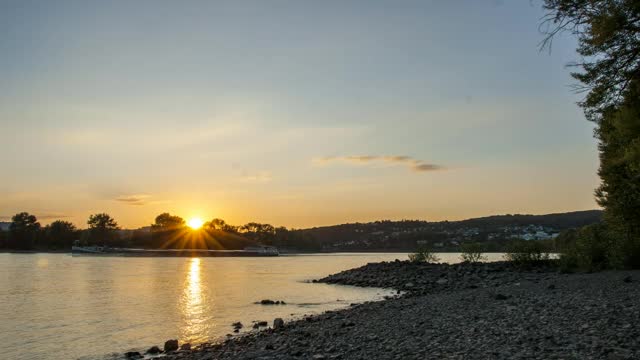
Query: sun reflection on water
x=192, y=306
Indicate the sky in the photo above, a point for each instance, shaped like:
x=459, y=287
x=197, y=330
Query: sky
x=295, y=113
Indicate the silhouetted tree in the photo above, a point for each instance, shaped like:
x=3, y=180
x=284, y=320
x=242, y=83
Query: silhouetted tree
x=4, y=239
x=60, y=234
x=23, y=231
x=167, y=231
x=166, y=221
x=102, y=228
x=219, y=224
x=263, y=233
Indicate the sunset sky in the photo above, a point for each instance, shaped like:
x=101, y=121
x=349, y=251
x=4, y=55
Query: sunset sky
x=295, y=113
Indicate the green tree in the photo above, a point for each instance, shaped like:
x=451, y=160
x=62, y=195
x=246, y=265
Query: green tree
x=102, y=228
x=23, y=231
x=608, y=33
x=60, y=234
x=425, y=255
x=619, y=193
x=472, y=252
x=608, y=41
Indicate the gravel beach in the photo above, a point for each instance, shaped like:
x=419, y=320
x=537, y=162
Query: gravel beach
x=461, y=311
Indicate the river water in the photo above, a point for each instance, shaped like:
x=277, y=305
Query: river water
x=57, y=306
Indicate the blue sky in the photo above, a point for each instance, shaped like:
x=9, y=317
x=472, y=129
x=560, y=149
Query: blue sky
x=233, y=109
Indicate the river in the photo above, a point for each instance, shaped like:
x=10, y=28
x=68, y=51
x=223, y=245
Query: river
x=58, y=306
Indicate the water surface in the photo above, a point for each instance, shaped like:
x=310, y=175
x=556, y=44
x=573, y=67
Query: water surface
x=57, y=306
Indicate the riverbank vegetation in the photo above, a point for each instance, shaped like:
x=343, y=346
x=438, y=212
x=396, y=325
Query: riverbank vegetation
x=608, y=35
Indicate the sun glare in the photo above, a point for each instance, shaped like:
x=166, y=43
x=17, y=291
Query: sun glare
x=195, y=223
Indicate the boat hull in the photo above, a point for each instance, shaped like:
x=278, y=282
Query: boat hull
x=79, y=251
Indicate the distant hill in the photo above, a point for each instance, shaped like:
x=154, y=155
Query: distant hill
x=404, y=235
x=559, y=221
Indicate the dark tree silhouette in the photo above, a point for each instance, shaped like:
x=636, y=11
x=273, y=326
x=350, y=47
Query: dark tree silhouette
x=23, y=231
x=219, y=224
x=168, y=231
x=263, y=233
x=60, y=234
x=166, y=221
x=102, y=228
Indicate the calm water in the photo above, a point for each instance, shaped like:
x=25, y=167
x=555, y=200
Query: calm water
x=55, y=306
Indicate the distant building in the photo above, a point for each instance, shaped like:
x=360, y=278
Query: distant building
x=4, y=226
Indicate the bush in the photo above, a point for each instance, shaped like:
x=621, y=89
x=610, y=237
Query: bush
x=592, y=248
x=424, y=255
x=472, y=252
x=527, y=252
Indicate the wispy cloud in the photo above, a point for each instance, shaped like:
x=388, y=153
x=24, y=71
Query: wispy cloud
x=260, y=177
x=136, y=199
x=45, y=216
x=408, y=161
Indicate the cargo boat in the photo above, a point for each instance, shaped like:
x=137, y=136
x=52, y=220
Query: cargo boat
x=109, y=251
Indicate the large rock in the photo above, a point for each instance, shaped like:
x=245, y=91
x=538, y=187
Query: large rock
x=278, y=323
x=171, y=345
x=154, y=350
x=258, y=324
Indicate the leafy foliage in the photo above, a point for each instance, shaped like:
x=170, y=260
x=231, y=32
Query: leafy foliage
x=424, y=255
x=472, y=252
x=23, y=231
x=102, y=229
x=60, y=234
x=608, y=40
x=166, y=221
x=527, y=252
x=619, y=193
x=608, y=33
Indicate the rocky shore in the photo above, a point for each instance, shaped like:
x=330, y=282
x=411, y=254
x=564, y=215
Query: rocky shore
x=462, y=311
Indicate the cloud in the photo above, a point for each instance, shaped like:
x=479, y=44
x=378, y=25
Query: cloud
x=137, y=199
x=413, y=164
x=261, y=177
x=45, y=216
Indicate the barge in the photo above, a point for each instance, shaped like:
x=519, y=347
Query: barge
x=109, y=251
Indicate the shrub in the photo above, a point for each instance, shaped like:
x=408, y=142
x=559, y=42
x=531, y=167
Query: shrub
x=527, y=252
x=472, y=252
x=593, y=248
x=424, y=255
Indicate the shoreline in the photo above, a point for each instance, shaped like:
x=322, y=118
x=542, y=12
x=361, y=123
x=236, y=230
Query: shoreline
x=459, y=311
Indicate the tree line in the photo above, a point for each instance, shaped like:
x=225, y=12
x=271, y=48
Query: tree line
x=608, y=34
x=167, y=231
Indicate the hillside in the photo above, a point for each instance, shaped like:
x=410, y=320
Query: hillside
x=493, y=231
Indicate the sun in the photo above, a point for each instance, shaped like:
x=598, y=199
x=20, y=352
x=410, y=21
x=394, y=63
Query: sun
x=195, y=223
